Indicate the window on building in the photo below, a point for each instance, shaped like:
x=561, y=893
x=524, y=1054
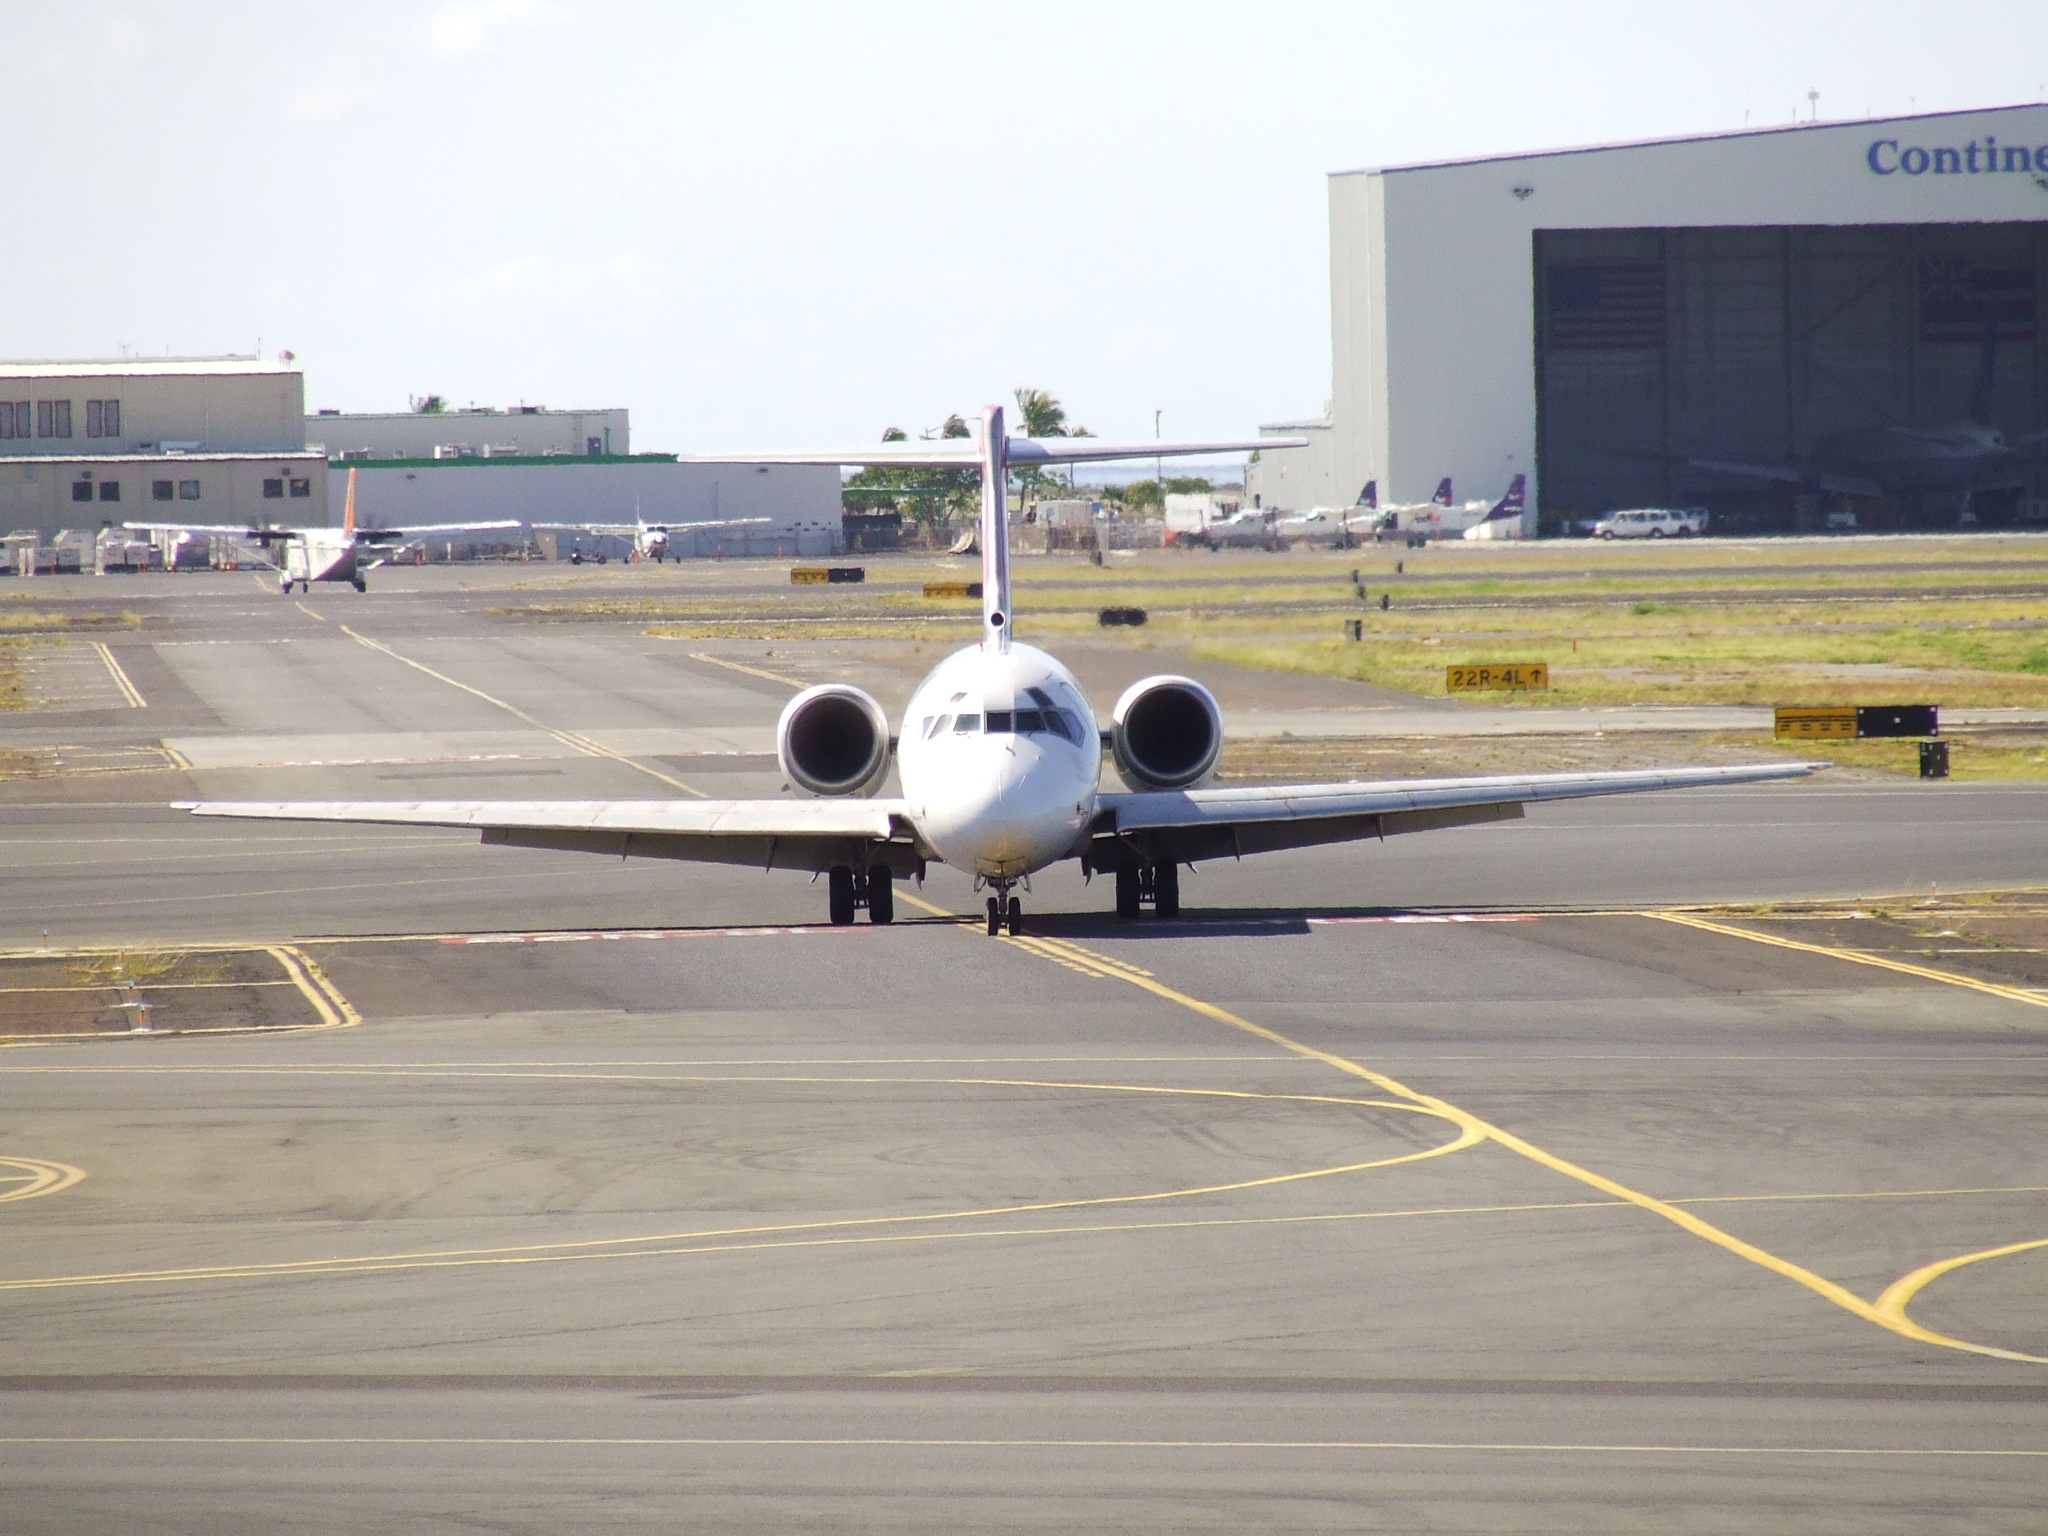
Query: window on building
x=188, y=490
x=81, y=490
x=53, y=418
x=161, y=490
x=92, y=418
x=110, y=490
x=6, y=418
x=110, y=418
x=24, y=421
x=301, y=488
x=273, y=490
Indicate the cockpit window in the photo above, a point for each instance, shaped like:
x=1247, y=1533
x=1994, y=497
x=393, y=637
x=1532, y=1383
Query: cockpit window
x=966, y=723
x=1029, y=721
x=937, y=727
x=999, y=722
x=1041, y=696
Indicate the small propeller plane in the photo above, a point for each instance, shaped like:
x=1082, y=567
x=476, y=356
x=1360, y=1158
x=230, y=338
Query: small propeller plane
x=650, y=540
x=347, y=553
x=1000, y=759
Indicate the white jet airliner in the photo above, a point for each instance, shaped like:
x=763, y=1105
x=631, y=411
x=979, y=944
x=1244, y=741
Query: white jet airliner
x=347, y=553
x=1000, y=759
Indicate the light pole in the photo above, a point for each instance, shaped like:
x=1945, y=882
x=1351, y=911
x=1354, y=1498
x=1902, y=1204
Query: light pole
x=1158, y=465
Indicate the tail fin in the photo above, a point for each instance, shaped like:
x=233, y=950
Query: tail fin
x=995, y=531
x=1987, y=368
x=1442, y=498
x=1510, y=505
x=1369, y=498
x=348, y=517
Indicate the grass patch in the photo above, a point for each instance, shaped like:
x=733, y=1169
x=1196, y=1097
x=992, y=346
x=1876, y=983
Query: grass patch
x=1977, y=762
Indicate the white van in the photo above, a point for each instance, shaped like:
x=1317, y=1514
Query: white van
x=1652, y=523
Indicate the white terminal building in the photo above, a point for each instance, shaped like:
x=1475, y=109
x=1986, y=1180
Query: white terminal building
x=196, y=440
x=226, y=441
x=1795, y=327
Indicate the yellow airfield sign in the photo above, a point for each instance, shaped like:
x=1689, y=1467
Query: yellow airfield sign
x=1491, y=676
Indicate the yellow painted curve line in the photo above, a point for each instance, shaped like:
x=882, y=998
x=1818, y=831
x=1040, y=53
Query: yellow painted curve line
x=783, y=1235
x=1820, y=1285
x=40, y=1178
x=336, y=1012
x=128, y=689
x=568, y=738
x=1855, y=957
x=1901, y=1291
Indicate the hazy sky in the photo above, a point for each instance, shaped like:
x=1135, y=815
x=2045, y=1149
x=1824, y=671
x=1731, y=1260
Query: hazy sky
x=785, y=225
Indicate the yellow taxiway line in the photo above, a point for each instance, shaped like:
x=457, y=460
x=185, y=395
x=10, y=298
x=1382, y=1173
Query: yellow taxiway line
x=1078, y=957
x=773, y=677
x=1855, y=957
x=35, y=1177
x=121, y=680
x=582, y=744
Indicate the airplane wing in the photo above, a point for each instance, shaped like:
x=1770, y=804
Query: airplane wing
x=426, y=530
x=236, y=530
x=808, y=835
x=627, y=530
x=1191, y=825
x=957, y=452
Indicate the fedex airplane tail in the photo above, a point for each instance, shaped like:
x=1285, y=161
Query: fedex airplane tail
x=1442, y=498
x=1510, y=505
x=1369, y=498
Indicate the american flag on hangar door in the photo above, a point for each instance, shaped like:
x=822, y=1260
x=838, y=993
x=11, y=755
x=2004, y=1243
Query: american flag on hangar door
x=1611, y=305
x=1958, y=299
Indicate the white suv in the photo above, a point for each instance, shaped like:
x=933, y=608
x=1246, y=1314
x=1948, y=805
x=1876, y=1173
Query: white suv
x=1652, y=523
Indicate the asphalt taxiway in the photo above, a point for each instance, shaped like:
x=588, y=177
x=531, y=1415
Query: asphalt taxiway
x=1476, y=1181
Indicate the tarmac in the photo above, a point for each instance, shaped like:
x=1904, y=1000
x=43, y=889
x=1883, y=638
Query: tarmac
x=1509, y=1179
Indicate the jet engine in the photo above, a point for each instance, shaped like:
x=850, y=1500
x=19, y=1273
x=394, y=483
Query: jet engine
x=1168, y=733
x=833, y=740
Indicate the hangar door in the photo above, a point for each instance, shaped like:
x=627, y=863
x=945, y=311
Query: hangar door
x=1793, y=378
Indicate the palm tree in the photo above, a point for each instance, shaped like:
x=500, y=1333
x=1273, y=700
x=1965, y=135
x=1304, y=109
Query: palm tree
x=1042, y=415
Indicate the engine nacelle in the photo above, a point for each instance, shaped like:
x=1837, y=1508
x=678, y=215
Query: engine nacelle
x=1168, y=733
x=833, y=740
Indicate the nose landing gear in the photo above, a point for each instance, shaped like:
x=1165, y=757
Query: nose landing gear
x=848, y=889
x=1005, y=912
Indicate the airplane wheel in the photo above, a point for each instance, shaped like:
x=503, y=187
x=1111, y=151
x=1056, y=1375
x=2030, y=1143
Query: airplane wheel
x=995, y=917
x=839, y=895
x=881, y=894
x=1166, y=890
x=360, y=585
x=1016, y=920
x=1128, y=900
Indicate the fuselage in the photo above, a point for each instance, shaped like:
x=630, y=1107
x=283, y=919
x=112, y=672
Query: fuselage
x=320, y=554
x=1000, y=760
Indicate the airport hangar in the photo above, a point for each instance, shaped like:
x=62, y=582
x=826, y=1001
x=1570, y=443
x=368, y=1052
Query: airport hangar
x=224, y=440
x=1604, y=319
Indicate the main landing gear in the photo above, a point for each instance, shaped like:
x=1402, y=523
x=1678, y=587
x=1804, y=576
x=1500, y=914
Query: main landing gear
x=847, y=890
x=1138, y=884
